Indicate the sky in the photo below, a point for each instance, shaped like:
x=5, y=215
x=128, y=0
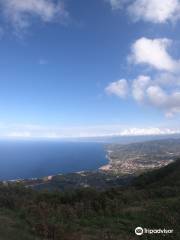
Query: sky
x=89, y=68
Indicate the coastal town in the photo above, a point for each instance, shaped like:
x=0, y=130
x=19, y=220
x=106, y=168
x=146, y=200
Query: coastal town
x=136, y=158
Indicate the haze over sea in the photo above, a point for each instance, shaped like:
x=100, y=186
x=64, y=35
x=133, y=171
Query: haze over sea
x=30, y=159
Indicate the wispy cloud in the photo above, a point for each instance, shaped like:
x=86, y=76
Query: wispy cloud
x=118, y=88
x=20, y=13
x=23, y=131
x=117, y=4
x=43, y=61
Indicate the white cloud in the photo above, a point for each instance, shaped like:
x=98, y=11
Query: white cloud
x=148, y=131
x=157, y=96
x=160, y=88
x=151, y=92
x=138, y=87
x=169, y=102
x=19, y=134
x=157, y=93
x=155, y=11
x=19, y=12
x=118, y=88
x=148, y=91
x=168, y=79
x=153, y=52
x=30, y=131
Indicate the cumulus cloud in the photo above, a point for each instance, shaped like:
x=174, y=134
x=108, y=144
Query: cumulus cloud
x=169, y=80
x=157, y=96
x=118, y=88
x=19, y=12
x=161, y=99
x=148, y=91
x=153, y=52
x=139, y=86
x=163, y=89
x=155, y=11
x=160, y=88
x=162, y=96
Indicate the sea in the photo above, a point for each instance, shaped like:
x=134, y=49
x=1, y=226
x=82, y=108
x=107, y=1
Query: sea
x=35, y=159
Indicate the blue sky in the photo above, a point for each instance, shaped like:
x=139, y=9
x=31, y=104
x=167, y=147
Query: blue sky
x=89, y=68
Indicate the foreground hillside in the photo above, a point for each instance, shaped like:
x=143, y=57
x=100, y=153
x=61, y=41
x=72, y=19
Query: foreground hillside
x=152, y=201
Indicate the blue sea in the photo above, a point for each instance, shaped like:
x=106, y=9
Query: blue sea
x=31, y=159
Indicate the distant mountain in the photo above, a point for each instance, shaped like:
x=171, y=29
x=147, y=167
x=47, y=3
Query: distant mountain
x=125, y=139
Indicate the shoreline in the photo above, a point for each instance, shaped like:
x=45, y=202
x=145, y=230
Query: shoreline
x=107, y=167
x=50, y=177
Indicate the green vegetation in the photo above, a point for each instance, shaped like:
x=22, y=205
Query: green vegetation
x=152, y=201
x=72, y=181
x=136, y=158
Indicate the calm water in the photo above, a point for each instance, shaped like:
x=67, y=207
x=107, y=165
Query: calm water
x=37, y=159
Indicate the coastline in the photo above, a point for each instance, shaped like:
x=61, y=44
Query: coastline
x=37, y=160
x=107, y=167
x=45, y=179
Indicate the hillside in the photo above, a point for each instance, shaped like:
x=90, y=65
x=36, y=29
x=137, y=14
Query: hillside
x=152, y=201
x=138, y=157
